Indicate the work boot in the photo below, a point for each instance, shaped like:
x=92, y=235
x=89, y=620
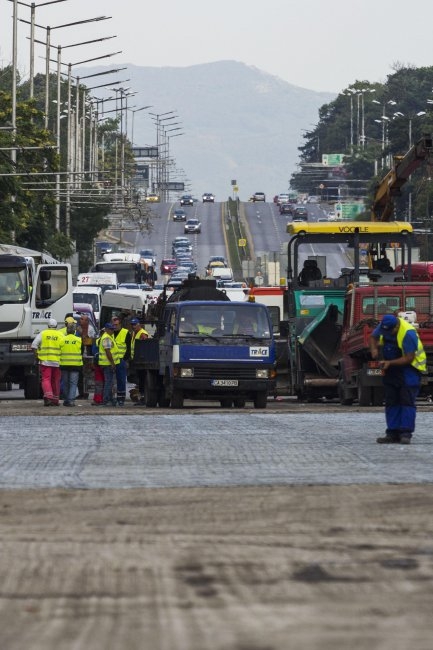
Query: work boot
x=387, y=439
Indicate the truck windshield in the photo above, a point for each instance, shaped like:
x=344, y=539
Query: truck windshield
x=13, y=285
x=227, y=321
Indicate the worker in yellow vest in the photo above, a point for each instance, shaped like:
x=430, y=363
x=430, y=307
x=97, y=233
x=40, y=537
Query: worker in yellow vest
x=71, y=362
x=108, y=360
x=138, y=334
x=122, y=336
x=47, y=348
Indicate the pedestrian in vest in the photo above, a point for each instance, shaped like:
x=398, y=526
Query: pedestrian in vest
x=71, y=362
x=404, y=362
x=122, y=336
x=138, y=334
x=108, y=359
x=47, y=349
x=98, y=373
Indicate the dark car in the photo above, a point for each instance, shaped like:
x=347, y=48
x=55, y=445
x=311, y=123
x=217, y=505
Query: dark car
x=179, y=215
x=186, y=199
x=285, y=208
x=300, y=213
x=192, y=226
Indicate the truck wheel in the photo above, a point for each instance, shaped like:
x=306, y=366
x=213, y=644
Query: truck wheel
x=177, y=399
x=239, y=403
x=260, y=400
x=364, y=395
x=226, y=403
x=32, y=387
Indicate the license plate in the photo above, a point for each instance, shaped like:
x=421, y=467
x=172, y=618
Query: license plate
x=374, y=372
x=224, y=382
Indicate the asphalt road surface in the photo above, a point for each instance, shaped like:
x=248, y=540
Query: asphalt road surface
x=213, y=529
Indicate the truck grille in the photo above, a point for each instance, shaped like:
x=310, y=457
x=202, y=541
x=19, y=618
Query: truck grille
x=219, y=372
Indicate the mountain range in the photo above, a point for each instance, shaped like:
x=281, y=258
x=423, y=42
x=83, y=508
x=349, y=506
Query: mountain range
x=237, y=123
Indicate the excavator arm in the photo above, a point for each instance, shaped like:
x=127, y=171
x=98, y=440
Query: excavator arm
x=389, y=187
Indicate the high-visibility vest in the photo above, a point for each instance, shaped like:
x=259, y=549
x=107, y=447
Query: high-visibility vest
x=51, y=344
x=103, y=359
x=120, y=339
x=420, y=359
x=137, y=335
x=71, y=351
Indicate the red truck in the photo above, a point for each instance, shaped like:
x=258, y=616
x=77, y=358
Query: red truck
x=364, y=307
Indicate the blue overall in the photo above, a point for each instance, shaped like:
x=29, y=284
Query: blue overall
x=401, y=385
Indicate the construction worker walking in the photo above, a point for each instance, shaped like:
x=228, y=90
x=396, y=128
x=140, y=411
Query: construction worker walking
x=47, y=348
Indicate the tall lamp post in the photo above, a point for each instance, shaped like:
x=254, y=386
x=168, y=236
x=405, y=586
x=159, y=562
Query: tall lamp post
x=32, y=8
x=410, y=118
x=134, y=111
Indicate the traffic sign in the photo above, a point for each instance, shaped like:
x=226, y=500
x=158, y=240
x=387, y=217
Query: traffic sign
x=242, y=243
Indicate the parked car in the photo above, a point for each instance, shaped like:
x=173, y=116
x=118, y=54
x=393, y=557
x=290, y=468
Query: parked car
x=192, y=226
x=208, y=197
x=179, y=215
x=259, y=196
x=186, y=199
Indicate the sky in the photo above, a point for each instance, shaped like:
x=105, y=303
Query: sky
x=318, y=45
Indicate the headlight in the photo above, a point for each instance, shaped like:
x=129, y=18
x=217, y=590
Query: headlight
x=262, y=373
x=187, y=372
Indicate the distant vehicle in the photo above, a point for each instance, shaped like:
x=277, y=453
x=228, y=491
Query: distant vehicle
x=168, y=265
x=153, y=198
x=300, y=212
x=285, y=208
x=186, y=199
x=217, y=258
x=259, y=196
x=192, y=226
x=147, y=256
x=313, y=199
x=208, y=198
x=283, y=198
x=179, y=215
x=133, y=285
x=103, y=247
x=181, y=245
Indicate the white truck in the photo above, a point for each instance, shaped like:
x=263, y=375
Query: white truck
x=91, y=296
x=33, y=288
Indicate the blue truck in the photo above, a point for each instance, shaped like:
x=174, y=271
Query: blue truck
x=206, y=347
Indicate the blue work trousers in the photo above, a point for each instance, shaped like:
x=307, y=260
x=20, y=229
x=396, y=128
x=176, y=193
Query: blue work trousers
x=69, y=384
x=400, y=408
x=108, y=395
x=121, y=372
